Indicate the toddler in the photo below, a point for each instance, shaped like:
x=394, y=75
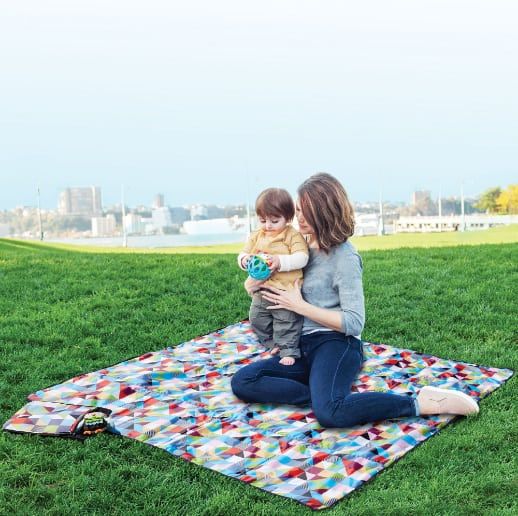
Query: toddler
x=279, y=330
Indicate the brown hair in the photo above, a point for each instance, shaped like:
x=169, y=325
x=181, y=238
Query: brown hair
x=277, y=202
x=326, y=208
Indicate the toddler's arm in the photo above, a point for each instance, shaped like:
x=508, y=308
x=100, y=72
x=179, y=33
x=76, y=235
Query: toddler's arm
x=291, y=262
x=298, y=254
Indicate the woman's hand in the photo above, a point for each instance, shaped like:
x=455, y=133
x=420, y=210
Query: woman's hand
x=288, y=299
x=292, y=300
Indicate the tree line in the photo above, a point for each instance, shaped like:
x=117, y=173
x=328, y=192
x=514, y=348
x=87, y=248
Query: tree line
x=496, y=200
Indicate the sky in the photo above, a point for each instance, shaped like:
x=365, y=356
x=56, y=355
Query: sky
x=210, y=102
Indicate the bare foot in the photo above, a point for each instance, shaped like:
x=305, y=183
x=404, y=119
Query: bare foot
x=287, y=361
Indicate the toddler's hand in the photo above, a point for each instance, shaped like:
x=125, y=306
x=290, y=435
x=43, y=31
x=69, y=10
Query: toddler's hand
x=274, y=351
x=275, y=263
x=245, y=260
x=287, y=361
x=252, y=285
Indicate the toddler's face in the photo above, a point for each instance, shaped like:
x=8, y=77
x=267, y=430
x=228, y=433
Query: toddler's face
x=272, y=224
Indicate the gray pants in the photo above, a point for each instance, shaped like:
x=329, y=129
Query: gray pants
x=276, y=328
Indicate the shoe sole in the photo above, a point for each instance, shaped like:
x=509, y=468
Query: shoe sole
x=463, y=395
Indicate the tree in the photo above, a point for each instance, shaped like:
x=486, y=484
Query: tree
x=507, y=201
x=487, y=200
x=426, y=206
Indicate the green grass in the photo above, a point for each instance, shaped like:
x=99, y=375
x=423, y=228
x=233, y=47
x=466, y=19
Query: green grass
x=65, y=312
x=497, y=235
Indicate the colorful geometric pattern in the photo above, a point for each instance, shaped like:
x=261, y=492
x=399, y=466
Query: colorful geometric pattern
x=179, y=399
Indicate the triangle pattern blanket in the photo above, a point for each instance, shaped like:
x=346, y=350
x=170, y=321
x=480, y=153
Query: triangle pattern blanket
x=179, y=399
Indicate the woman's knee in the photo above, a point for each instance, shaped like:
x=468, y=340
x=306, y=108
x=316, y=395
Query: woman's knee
x=330, y=416
x=240, y=384
x=236, y=384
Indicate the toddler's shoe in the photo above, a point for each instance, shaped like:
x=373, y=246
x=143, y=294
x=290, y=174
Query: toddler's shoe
x=433, y=400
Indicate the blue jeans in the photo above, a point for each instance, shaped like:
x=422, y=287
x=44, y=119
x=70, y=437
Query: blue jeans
x=322, y=378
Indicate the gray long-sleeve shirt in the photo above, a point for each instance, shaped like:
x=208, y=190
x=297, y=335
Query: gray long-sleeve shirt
x=334, y=281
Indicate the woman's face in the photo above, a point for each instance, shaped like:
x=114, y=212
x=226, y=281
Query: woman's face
x=304, y=227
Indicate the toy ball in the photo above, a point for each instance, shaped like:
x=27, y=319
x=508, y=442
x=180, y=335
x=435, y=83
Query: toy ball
x=258, y=267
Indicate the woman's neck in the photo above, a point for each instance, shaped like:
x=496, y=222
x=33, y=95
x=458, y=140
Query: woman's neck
x=312, y=241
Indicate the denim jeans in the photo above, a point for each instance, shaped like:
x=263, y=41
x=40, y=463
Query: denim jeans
x=321, y=378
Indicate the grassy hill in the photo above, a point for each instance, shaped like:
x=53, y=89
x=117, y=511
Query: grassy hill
x=63, y=312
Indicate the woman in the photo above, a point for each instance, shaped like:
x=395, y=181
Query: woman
x=332, y=305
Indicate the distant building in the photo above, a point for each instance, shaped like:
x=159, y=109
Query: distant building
x=158, y=201
x=161, y=218
x=216, y=226
x=199, y=212
x=103, y=226
x=147, y=223
x=80, y=201
x=24, y=211
x=452, y=223
x=366, y=224
x=133, y=224
x=422, y=204
x=179, y=214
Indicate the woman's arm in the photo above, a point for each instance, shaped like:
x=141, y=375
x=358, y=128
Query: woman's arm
x=348, y=282
x=292, y=300
x=350, y=317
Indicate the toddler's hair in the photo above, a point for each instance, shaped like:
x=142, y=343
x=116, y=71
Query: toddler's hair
x=275, y=202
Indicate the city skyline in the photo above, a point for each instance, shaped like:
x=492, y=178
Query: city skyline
x=133, y=201
x=206, y=102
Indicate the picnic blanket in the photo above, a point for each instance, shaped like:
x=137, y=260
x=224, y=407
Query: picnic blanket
x=179, y=399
